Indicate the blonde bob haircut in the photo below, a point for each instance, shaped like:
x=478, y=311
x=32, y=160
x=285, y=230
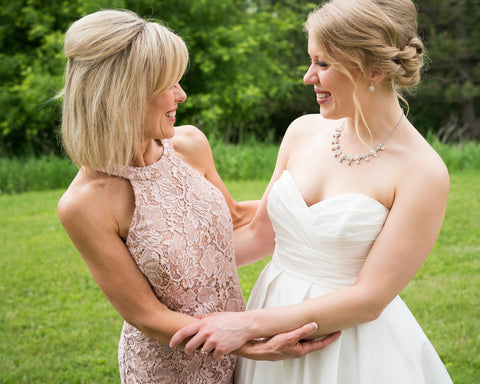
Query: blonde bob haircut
x=117, y=62
x=358, y=36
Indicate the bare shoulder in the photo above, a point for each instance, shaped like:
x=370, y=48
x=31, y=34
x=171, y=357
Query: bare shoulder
x=307, y=125
x=189, y=138
x=76, y=199
x=424, y=172
x=94, y=200
x=191, y=144
x=303, y=131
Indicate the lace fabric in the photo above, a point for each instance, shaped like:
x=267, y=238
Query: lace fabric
x=181, y=238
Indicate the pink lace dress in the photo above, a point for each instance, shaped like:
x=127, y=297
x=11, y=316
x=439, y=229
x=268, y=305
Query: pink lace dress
x=181, y=238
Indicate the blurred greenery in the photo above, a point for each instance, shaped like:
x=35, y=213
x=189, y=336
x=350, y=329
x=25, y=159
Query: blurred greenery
x=245, y=76
x=249, y=161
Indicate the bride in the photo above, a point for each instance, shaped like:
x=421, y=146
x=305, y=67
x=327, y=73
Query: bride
x=353, y=209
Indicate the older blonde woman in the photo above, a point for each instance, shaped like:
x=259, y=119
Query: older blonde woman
x=147, y=209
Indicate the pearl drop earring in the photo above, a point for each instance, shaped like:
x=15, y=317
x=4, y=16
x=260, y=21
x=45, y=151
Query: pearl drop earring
x=372, y=87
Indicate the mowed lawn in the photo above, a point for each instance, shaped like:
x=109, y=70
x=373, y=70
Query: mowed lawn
x=57, y=327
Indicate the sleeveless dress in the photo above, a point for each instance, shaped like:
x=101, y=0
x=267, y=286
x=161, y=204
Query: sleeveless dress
x=320, y=249
x=181, y=238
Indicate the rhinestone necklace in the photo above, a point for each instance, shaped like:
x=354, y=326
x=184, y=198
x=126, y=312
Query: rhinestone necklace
x=357, y=158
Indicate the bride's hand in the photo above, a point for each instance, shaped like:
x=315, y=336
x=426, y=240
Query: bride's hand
x=218, y=333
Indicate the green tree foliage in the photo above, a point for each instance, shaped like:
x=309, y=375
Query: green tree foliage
x=31, y=70
x=246, y=67
x=450, y=92
x=245, y=74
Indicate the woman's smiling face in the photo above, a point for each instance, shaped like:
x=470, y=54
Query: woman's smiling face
x=334, y=89
x=161, y=113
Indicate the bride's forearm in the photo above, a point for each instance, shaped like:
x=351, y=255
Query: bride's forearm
x=332, y=312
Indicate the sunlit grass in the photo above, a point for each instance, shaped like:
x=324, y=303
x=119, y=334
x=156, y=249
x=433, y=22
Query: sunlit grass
x=445, y=295
x=57, y=327
x=55, y=324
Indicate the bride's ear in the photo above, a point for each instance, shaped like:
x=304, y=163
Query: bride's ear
x=375, y=77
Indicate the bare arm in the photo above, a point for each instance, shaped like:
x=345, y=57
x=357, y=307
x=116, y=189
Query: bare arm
x=93, y=229
x=256, y=240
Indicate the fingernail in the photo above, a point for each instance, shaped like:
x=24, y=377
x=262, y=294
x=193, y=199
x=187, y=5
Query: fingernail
x=314, y=326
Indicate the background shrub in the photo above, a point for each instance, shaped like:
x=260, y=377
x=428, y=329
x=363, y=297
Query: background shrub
x=250, y=161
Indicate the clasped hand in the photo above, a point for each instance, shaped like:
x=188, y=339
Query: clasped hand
x=223, y=333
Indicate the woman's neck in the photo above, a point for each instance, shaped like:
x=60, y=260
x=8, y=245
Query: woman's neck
x=150, y=153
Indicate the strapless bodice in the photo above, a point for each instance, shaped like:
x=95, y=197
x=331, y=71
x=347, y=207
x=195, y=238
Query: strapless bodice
x=325, y=243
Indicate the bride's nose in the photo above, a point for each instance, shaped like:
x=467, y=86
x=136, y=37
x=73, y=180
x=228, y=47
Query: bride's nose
x=310, y=76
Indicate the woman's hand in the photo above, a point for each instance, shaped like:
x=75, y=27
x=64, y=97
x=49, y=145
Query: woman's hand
x=287, y=345
x=227, y=332
x=219, y=333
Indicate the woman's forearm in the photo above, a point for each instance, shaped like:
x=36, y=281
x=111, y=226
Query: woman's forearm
x=226, y=332
x=161, y=324
x=253, y=243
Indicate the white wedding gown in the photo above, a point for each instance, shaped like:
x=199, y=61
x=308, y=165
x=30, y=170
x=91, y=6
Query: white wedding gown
x=320, y=249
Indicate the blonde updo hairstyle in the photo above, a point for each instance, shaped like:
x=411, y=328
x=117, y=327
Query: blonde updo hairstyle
x=117, y=62
x=358, y=35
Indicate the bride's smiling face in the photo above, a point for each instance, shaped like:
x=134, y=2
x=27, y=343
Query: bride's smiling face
x=333, y=88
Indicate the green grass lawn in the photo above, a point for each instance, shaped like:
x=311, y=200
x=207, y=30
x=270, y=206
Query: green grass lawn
x=57, y=327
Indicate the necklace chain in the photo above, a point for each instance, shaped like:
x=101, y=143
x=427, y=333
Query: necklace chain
x=357, y=158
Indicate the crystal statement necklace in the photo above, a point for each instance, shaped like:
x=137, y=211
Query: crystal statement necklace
x=357, y=158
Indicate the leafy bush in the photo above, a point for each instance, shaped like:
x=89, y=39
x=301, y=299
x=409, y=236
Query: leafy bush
x=35, y=174
x=459, y=157
x=246, y=67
